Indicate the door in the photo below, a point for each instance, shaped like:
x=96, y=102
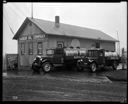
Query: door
x=58, y=56
x=24, y=59
x=101, y=58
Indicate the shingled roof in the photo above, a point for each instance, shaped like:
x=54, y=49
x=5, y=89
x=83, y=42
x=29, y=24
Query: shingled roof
x=66, y=30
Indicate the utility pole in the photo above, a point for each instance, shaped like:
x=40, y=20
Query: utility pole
x=118, y=45
x=32, y=10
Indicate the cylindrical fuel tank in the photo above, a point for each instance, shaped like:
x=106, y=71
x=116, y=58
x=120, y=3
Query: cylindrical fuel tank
x=70, y=52
x=108, y=54
x=82, y=52
x=75, y=52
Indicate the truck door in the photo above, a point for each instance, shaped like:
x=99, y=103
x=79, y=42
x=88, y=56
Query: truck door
x=101, y=58
x=58, y=56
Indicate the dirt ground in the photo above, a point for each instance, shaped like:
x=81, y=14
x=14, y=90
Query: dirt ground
x=62, y=86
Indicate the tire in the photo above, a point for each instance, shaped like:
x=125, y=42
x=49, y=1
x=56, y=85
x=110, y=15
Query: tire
x=114, y=65
x=93, y=67
x=79, y=69
x=47, y=67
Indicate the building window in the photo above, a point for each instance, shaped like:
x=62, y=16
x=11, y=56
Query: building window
x=39, y=48
x=30, y=48
x=60, y=44
x=22, y=48
x=97, y=44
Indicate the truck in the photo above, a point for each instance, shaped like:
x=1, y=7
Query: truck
x=99, y=58
x=79, y=58
x=64, y=57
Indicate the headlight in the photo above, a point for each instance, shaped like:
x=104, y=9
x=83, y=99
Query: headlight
x=35, y=64
x=90, y=60
x=81, y=59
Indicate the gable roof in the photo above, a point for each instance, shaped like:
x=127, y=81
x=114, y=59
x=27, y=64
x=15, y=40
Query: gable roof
x=66, y=30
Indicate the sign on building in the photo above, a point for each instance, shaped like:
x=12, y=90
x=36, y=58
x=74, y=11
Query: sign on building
x=11, y=60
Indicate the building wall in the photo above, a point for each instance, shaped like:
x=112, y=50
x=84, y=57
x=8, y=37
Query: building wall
x=26, y=59
x=84, y=43
x=110, y=46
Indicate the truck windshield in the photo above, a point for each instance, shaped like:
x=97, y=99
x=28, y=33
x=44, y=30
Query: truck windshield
x=92, y=53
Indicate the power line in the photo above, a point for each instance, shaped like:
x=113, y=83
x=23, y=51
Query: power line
x=20, y=10
x=9, y=25
x=32, y=10
x=5, y=10
x=16, y=12
x=118, y=42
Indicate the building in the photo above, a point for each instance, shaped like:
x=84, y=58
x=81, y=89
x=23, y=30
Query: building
x=35, y=36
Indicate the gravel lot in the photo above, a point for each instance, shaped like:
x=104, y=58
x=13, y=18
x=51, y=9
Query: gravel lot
x=62, y=86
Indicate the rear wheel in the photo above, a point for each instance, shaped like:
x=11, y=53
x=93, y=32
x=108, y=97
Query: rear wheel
x=47, y=67
x=93, y=67
x=114, y=66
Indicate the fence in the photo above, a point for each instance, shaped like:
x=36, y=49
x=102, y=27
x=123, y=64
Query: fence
x=124, y=59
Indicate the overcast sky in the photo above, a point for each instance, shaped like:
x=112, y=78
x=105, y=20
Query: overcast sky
x=110, y=18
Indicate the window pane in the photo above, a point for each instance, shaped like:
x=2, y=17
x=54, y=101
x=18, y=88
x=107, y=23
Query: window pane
x=60, y=44
x=30, y=48
x=22, y=48
x=39, y=48
x=39, y=45
x=97, y=45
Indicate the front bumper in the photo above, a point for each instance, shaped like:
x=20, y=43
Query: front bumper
x=35, y=66
x=83, y=64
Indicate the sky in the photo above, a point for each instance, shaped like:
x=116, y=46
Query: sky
x=110, y=18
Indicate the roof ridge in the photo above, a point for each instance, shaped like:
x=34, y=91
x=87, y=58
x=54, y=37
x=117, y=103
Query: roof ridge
x=66, y=24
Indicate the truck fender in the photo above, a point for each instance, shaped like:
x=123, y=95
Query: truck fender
x=93, y=62
x=46, y=60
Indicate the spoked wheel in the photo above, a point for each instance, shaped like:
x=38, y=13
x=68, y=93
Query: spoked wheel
x=114, y=66
x=79, y=68
x=47, y=67
x=93, y=67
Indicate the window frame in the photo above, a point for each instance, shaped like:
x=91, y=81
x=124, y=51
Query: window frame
x=22, y=48
x=97, y=44
x=38, y=49
x=60, y=43
x=30, y=49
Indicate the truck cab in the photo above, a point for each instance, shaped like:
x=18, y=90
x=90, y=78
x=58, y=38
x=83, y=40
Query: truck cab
x=67, y=57
x=55, y=55
x=97, y=58
x=96, y=55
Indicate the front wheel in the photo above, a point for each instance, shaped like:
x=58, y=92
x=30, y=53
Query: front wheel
x=47, y=67
x=93, y=67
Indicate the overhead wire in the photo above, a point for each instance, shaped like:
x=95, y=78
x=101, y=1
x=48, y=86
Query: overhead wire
x=16, y=13
x=8, y=24
x=20, y=10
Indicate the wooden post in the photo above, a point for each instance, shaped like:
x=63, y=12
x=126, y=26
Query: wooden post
x=122, y=58
x=4, y=65
x=32, y=10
